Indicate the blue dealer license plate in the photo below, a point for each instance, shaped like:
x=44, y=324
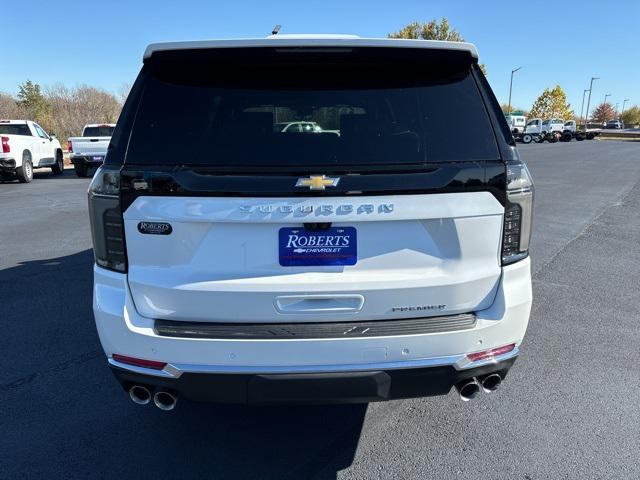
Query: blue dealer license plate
x=305, y=248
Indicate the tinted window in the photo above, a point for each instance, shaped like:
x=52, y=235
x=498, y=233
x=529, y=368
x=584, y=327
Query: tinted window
x=15, y=129
x=103, y=131
x=345, y=115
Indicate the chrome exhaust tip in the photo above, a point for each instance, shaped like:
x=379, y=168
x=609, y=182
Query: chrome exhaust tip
x=165, y=401
x=491, y=382
x=468, y=389
x=140, y=395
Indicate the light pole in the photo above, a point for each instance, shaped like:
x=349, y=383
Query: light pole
x=623, y=104
x=582, y=107
x=510, y=87
x=586, y=116
x=604, y=103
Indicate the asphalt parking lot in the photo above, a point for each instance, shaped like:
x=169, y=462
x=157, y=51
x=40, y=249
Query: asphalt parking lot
x=568, y=409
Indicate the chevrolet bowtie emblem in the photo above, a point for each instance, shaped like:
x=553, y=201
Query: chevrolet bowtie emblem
x=318, y=182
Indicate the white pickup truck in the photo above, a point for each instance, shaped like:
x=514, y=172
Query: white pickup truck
x=537, y=126
x=90, y=149
x=24, y=145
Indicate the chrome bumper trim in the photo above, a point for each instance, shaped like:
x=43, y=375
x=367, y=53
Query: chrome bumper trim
x=175, y=370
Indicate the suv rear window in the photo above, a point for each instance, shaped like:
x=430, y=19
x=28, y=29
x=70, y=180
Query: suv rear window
x=310, y=110
x=15, y=129
x=103, y=131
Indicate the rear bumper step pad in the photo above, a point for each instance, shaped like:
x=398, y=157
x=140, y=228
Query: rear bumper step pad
x=359, y=329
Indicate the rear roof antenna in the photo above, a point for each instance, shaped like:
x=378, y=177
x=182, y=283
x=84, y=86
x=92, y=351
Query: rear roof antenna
x=276, y=29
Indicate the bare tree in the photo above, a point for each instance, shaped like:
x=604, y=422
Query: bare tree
x=9, y=107
x=123, y=92
x=75, y=107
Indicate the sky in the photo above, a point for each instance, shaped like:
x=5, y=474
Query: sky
x=101, y=43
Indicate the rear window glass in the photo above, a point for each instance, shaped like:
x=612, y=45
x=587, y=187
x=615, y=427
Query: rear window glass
x=328, y=113
x=104, y=131
x=15, y=129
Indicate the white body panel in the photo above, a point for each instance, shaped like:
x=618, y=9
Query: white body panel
x=312, y=41
x=517, y=123
x=123, y=330
x=41, y=147
x=85, y=146
x=533, y=126
x=221, y=263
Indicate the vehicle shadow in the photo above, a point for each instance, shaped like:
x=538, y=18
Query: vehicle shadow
x=47, y=174
x=81, y=422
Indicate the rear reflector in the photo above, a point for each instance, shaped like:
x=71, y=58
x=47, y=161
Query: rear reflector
x=494, y=352
x=139, y=362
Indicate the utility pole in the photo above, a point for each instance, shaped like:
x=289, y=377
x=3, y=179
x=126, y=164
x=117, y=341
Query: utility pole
x=586, y=116
x=510, y=87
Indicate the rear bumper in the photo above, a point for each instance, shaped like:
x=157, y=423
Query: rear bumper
x=357, y=386
x=7, y=164
x=89, y=160
x=227, y=370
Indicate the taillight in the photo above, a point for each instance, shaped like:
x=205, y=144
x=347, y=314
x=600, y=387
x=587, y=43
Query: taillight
x=5, y=144
x=139, y=362
x=494, y=352
x=518, y=214
x=107, y=224
x=70, y=146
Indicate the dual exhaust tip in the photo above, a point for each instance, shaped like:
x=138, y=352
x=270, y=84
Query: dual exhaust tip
x=162, y=399
x=167, y=401
x=470, y=389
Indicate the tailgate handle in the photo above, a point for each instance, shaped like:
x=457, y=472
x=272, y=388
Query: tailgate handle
x=319, y=303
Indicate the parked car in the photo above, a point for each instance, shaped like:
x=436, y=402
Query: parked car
x=297, y=127
x=89, y=150
x=517, y=123
x=25, y=146
x=614, y=124
x=236, y=264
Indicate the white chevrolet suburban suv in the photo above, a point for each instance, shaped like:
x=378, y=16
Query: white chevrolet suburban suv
x=25, y=146
x=237, y=263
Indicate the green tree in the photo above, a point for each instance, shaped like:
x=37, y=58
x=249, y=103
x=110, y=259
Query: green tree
x=603, y=112
x=432, y=30
x=631, y=116
x=552, y=103
x=33, y=102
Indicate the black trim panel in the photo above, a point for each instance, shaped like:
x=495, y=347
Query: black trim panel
x=312, y=388
x=192, y=182
x=254, y=331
